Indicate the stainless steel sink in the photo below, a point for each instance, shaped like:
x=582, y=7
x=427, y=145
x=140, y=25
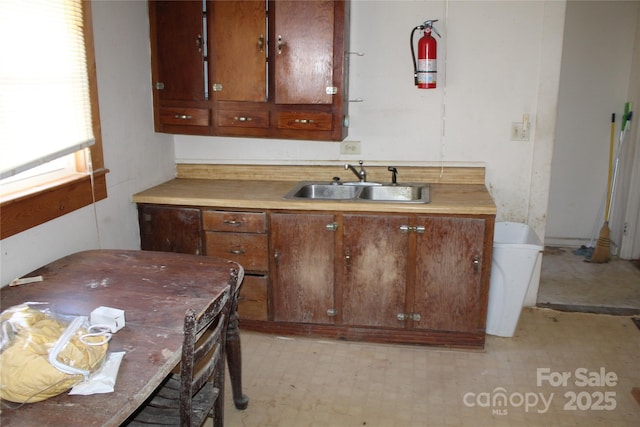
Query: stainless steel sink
x=324, y=191
x=361, y=192
x=417, y=193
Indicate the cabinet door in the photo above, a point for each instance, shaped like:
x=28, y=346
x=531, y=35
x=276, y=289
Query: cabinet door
x=303, y=260
x=303, y=51
x=374, y=270
x=239, y=50
x=178, y=54
x=170, y=229
x=448, y=274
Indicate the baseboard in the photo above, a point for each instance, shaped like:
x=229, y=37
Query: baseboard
x=574, y=242
x=616, y=311
x=566, y=242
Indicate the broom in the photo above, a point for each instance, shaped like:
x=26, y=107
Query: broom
x=602, y=251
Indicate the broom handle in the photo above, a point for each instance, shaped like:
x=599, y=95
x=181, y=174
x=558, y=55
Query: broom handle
x=623, y=132
x=610, y=178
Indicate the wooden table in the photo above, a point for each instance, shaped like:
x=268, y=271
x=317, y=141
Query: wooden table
x=154, y=289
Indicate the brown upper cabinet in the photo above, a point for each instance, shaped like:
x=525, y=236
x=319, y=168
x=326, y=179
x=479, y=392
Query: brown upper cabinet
x=265, y=69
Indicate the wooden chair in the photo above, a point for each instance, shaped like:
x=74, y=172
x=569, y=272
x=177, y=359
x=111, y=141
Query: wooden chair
x=195, y=390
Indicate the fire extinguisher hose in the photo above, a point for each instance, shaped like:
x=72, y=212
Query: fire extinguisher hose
x=413, y=54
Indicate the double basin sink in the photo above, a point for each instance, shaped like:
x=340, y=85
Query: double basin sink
x=361, y=192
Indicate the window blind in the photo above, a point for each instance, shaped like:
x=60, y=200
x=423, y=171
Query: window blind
x=45, y=109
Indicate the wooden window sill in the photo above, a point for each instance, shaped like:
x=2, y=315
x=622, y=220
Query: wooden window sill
x=22, y=211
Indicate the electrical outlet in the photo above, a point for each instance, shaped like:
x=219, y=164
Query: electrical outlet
x=350, y=147
x=520, y=132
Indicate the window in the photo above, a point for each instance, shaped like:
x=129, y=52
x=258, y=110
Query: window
x=80, y=179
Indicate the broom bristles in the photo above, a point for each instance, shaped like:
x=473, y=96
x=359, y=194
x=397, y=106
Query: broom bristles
x=602, y=251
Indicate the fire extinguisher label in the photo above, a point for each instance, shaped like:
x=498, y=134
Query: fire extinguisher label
x=427, y=71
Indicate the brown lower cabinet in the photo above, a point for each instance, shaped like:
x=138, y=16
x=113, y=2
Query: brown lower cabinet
x=380, y=277
x=303, y=263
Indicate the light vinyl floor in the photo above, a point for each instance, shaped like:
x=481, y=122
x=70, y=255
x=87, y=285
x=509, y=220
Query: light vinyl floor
x=560, y=369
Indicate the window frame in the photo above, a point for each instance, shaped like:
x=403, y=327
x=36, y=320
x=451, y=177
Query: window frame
x=45, y=202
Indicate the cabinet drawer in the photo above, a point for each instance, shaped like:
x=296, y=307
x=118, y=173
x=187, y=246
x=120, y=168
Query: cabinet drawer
x=245, y=119
x=184, y=116
x=238, y=222
x=249, y=250
x=306, y=121
x=252, y=301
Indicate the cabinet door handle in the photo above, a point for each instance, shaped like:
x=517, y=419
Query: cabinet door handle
x=303, y=121
x=347, y=258
x=281, y=44
x=242, y=119
x=237, y=251
x=417, y=229
x=401, y=316
x=199, y=43
x=333, y=226
x=476, y=263
x=332, y=312
x=261, y=43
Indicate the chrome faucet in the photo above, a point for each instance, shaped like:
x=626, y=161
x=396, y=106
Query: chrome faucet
x=361, y=174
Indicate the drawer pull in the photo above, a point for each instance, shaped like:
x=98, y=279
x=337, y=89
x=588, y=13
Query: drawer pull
x=183, y=116
x=237, y=251
x=304, y=121
x=242, y=119
x=232, y=222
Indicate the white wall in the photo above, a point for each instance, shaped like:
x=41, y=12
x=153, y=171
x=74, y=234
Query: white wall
x=596, y=80
x=500, y=59
x=136, y=156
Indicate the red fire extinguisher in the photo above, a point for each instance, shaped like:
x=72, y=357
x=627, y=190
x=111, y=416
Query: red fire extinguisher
x=425, y=70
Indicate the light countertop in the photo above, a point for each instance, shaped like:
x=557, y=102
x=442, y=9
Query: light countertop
x=468, y=199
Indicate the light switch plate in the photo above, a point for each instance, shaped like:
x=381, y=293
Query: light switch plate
x=519, y=132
